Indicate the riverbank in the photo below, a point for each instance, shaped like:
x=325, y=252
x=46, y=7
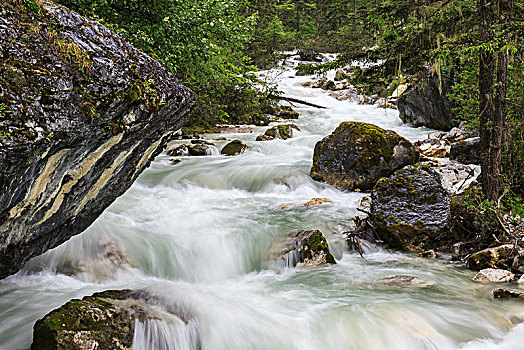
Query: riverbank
x=197, y=234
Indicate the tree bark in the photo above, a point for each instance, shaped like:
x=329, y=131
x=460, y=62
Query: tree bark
x=491, y=108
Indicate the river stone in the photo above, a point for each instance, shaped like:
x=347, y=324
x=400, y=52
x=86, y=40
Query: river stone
x=105, y=320
x=350, y=94
x=507, y=293
x=234, y=148
x=316, y=84
x=178, y=151
x=500, y=257
x=357, y=154
x=426, y=104
x=432, y=148
x=288, y=113
x=283, y=132
x=410, y=209
x=493, y=276
x=98, y=263
x=405, y=281
x=329, y=85
x=82, y=128
x=340, y=75
x=467, y=151
x=307, y=248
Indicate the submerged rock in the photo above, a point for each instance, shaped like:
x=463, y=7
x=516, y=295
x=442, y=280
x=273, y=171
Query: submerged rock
x=105, y=320
x=233, y=129
x=405, y=281
x=410, y=209
x=426, y=104
x=82, y=123
x=507, y=293
x=493, y=276
x=307, y=248
x=310, y=203
x=97, y=262
x=317, y=201
x=347, y=95
x=234, y=148
x=357, y=155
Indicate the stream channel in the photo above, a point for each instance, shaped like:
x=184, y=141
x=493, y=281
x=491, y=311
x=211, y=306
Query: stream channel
x=199, y=234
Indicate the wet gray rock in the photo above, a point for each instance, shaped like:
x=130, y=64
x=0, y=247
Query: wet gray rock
x=432, y=148
x=493, y=276
x=234, y=148
x=282, y=132
x=79, y=128
x=305, y=248
x=329, y=85
x=505, y=256
x=356, y=155
x=424, y=104
x=350, y=94
x=411, y=209
x=405, y=281
x=308, y=248
x=455, y=177
x=504, y=293
x=106, y=320
x=467, y=151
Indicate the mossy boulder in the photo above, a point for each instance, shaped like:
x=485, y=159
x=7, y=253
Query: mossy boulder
x=85, y=113
x=283, y=132
x=411, y=210
x=506, y=256
x=288, y=114
x=234, y=148
x=307, y=248
x=357, y=155
x=105, y=320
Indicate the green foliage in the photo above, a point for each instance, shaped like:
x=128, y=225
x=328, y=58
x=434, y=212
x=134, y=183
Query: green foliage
x=202, y=42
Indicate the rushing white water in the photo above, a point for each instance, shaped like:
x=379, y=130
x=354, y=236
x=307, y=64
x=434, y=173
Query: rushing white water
x=198, y=235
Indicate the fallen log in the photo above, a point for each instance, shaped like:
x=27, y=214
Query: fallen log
x=296, y=100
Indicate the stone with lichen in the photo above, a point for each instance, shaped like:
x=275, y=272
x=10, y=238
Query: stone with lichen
x=356, y=155
x=411, y=209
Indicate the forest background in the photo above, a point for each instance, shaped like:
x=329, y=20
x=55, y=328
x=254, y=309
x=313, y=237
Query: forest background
x=474, y=46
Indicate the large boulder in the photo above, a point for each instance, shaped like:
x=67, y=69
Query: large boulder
x=426, y=104
x=85, y=114
x=105, y=320
x=357, y=155
x=467, y=151
x=410, y=210
x=234, y=148
x=305, y=248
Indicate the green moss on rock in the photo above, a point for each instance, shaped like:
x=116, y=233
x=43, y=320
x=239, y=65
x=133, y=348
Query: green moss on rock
x=356, y=155
x=411, y=209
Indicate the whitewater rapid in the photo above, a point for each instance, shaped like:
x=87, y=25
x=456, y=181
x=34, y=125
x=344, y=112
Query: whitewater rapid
x=198, y=234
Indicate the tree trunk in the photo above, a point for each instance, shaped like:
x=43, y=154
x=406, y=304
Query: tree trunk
x=491, y=108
